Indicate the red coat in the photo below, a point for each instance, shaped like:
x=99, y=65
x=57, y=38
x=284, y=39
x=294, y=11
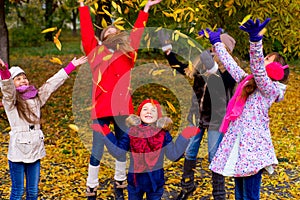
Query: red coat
x=111, y=70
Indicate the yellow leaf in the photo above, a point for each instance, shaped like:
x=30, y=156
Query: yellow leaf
x=114, y=4
x=148, y=43
x=126, y=11
x=119, y=9
x=155, y=63
x=74, y=127
x=105, y=11
x=191, y=43
x=96, y=6
x=56, y=60
x=171, y=106
x=159, y=28
x=93, y=11
x=158, y=72
x=194, y=119
x=100, y=49
x=143, y=3
x=206, y=34
x=49, y=30
x=57, y=43
x=190, y=66
x=107, y=57
x=191, y=29
x=119, y=27
x=99, y=77
x=263, y=31
x=245, y=19
x=58, y=33
x=103, y=23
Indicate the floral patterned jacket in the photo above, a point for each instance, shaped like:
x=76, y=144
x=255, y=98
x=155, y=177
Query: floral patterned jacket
x=247, y=145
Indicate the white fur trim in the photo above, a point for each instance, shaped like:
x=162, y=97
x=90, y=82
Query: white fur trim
x=213, y=70
x=167, y=47
x=120, y=171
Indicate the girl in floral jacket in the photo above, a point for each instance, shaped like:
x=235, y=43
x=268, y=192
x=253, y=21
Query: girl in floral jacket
x=246, y=149
x=22, y=103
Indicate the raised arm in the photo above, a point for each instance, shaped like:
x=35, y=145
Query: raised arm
x=89, y=42
x=229, y=63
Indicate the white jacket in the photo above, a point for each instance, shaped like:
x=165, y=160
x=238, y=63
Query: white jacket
x=27, y=140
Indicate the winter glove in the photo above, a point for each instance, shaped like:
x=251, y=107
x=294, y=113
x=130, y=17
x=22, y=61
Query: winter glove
x=101, y=129
x=190, y=131
x=133, y=120
x=4, y=72
x=254, y=29
x=164, y=39
x=214, y=37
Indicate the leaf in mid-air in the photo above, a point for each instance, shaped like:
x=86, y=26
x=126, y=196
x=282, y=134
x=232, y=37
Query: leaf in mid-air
x=56, y=60
x=171, y=107
x=49, y=30
x=245, y=19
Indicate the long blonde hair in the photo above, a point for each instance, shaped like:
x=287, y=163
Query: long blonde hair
x=24, y=110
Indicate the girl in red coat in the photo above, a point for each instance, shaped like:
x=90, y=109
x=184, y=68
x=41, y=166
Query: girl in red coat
x=111, y=59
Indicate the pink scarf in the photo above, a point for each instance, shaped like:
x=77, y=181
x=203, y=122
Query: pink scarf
x=235, y=106
x=27, y=92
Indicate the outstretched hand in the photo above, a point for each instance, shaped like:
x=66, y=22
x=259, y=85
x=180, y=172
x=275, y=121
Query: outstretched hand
x=190, y=131
x=150, y=3
x=214, y=36
x=254, y=29
x=2, y=65
x=76, y=62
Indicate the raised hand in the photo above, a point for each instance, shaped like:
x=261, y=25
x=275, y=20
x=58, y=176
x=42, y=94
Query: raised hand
x=2, y=65
x=254, y=29
x=150, y=3
x=76, y=62
x=214, y=37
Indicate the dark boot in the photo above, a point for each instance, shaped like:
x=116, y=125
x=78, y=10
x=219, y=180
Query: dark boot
x=91, y=193
x=218, y=183
x=187, y=181
x=118, y=189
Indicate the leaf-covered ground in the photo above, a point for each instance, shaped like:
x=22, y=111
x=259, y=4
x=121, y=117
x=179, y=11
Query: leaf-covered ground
x=64, y=169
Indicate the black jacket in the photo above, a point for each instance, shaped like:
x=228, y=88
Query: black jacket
x=210, y=98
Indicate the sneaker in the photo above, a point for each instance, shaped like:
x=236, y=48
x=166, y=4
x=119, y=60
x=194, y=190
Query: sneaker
x=186, y=192
x=119, y=187
x=91, y=193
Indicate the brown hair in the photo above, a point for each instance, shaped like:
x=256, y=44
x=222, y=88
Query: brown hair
x=119, y=41
x=24, y=110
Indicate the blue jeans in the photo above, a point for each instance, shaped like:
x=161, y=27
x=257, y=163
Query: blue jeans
x=134, y=195
x=17, y=172
x=214, y=138
x=98, y=142
x=248, y=188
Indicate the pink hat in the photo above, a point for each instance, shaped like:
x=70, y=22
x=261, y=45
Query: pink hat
x=275, y=70
x=154, y=102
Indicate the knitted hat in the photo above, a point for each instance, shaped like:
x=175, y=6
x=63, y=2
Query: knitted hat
x=104, y=30
x=15, y=71
x=275, y=70
x=154, y=102
x=228, y=41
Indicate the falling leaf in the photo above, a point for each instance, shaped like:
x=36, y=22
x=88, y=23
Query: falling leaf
x=103, y=23
x=58, y=33
x=107, y=57
x=114, y=4
x=56, y=60
x=74, y=127
x=190, y=66
x=158, y=72
x=106, y=12
x=263, y=31
x=206, y=34
x=119, y=27
x=57, y=43
x=191, y=43
x=245, y=19
x=171, y=107
x=49, y=30
x=143, y=3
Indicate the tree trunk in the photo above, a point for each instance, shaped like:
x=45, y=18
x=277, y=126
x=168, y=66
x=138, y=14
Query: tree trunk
x=4, y=48
x=73, y=19
x=48, y=19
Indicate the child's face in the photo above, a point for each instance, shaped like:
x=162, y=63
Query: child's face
x=110, y=31
x=269, y=58
x=148, y=113
x=21, y=80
